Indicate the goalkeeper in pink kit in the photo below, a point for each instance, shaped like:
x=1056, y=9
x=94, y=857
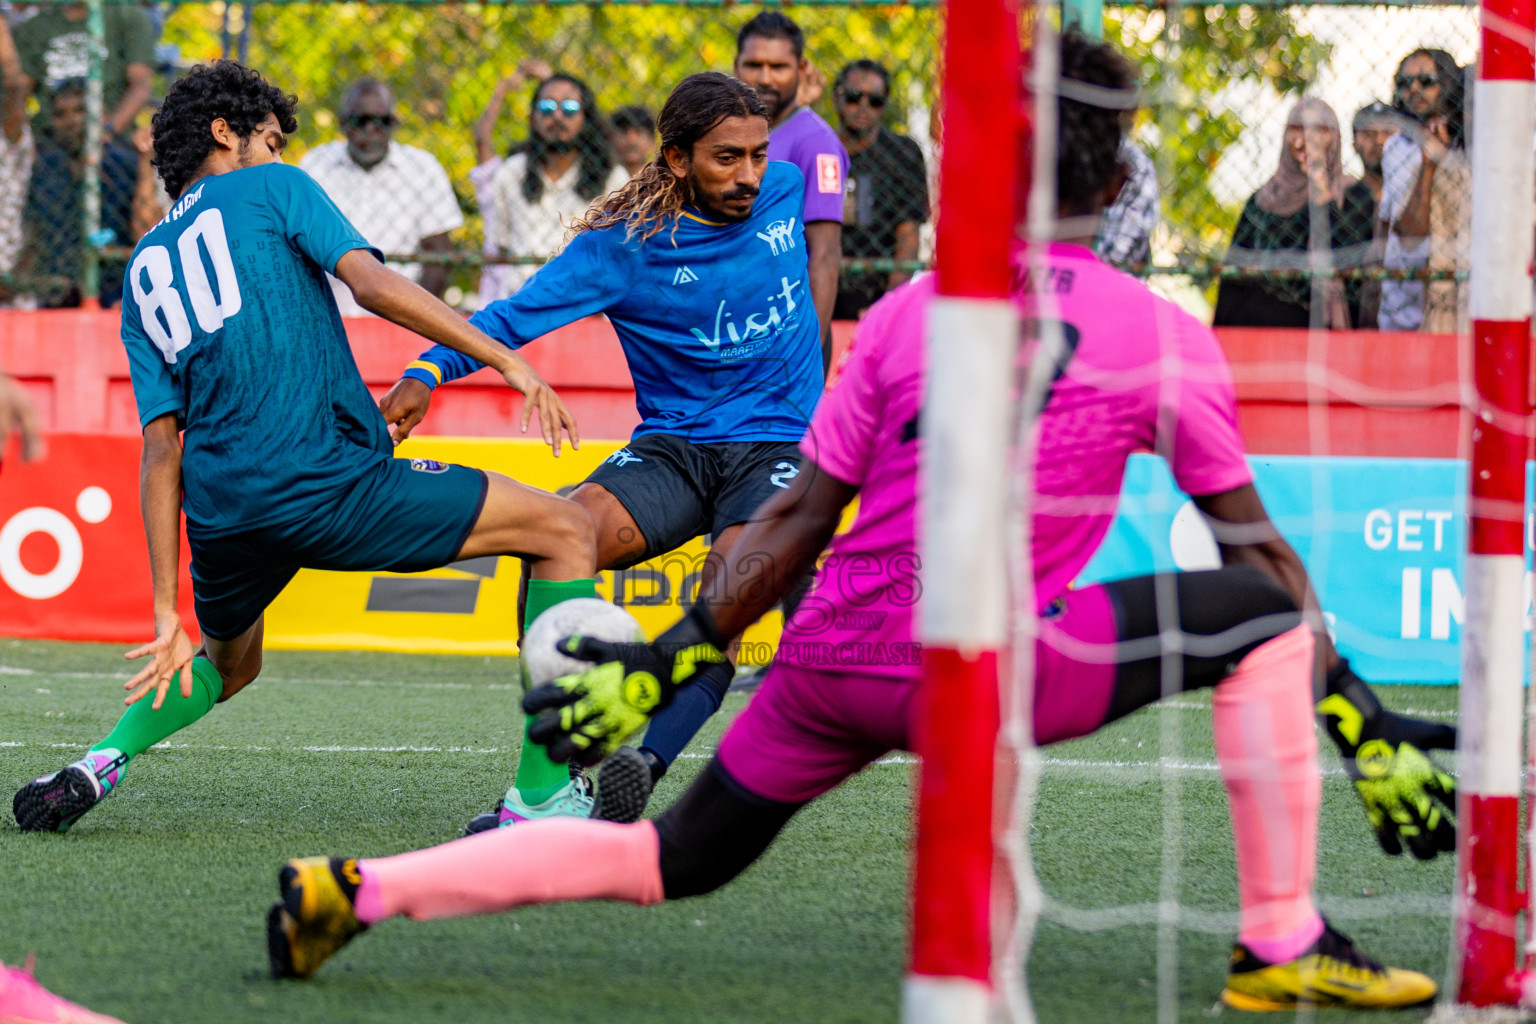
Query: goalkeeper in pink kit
x=843, y=690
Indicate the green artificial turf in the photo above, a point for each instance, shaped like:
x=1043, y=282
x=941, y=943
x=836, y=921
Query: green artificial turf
x=152, y=908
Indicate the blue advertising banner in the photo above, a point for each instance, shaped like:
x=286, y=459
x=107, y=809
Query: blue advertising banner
x=1383, y=540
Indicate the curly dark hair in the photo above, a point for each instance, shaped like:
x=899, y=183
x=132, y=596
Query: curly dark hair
x=1090, y=121
x=226, y=89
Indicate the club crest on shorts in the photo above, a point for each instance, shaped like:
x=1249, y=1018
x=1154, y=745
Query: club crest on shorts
x=623, y=457
x=429, y=466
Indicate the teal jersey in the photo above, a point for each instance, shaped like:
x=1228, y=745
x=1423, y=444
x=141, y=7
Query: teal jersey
x=229, y=323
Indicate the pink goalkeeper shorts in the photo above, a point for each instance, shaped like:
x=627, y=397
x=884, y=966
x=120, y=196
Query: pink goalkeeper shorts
x=807, y=730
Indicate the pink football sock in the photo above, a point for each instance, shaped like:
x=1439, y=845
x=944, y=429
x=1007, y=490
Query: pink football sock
x=1267, y=746
x=548, y=861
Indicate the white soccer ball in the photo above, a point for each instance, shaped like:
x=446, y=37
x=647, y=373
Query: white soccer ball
x=586, y=616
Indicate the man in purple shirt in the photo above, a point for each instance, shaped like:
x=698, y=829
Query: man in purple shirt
x=770, y=57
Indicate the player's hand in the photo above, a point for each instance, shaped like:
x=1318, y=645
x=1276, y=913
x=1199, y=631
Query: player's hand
x=586, y=717
x=812, y=85
x=171, y=655
x=403, y=407
x=1408, y=800
x=535, y=69
x=16, y=415
x=540, y=398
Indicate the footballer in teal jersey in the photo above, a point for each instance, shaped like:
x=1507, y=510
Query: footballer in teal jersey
x=700, y=263
x=258, y=426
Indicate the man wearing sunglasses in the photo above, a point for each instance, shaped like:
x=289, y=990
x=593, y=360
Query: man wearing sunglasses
x=1428, y=83
x=397, y=196
x=887, y=195
x=565, y=165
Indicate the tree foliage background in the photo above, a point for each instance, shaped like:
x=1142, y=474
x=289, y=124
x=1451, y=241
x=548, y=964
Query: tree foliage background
x=444, y=59
x=1189, y=63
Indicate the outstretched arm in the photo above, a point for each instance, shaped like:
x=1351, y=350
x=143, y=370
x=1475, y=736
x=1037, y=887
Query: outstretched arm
x=395, y=298
x=785, y=537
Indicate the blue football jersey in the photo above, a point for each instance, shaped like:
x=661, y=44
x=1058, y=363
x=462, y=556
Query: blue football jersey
x=229, y=324
x=716, y=319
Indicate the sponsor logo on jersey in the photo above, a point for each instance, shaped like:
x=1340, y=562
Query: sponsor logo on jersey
x=829, y=174
x=429, y=466
x=780, y=236
x=684, y=276
x=623, y=457
x=757, y=325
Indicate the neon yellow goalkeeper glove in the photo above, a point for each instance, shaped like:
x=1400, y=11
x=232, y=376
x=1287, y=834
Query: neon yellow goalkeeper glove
x=586, y=717
x=1408, y=800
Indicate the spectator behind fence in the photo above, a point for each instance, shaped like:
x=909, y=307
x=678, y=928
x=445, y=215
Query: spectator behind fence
x=54, y=250
x=1372, y=126
x=565, y=166
x=770, y=57
x=397, y=196
x=886, y=199
x=17, y=152
x=1298, y=210
x=633, y=135
x=1427, y=82
x=1450, y=217
x=1124, y=238
x=494, y=277
x=55, y=47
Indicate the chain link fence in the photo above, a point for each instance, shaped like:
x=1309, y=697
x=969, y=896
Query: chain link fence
x=478, y=183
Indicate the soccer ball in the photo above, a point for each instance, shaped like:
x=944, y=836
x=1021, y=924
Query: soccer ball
x=587, y=616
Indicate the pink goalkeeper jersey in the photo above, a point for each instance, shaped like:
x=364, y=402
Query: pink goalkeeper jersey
x=1143, y=375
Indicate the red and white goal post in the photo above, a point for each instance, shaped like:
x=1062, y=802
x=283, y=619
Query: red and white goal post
x=1492, y=953
x=964, y=621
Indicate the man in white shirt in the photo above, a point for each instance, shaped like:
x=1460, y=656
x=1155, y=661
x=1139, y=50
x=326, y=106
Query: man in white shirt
x=1426, y=83
x=397, y=196
x=565, y=166
x=16, y=154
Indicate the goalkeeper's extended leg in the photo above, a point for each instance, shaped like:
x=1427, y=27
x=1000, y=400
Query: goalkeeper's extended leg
x=703, y=841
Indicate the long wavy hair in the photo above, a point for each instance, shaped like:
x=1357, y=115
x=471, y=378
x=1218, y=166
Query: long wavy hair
x=655, y=196
x=591, y=145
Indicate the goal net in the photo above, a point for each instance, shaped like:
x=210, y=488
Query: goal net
x=1383, y=387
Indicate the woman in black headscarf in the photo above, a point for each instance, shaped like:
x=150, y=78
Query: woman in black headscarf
x=1297, y=211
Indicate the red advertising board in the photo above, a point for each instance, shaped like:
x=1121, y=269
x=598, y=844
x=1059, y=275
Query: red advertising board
x=73, y=564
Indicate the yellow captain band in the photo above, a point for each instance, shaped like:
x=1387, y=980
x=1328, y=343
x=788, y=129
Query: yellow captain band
x=422, y=364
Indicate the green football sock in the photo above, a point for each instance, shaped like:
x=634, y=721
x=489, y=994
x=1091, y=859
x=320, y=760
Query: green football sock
x=141, y=727
x=539, y=778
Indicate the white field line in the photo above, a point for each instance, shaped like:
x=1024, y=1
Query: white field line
x=1069, y=764
x=1074, y=918
x=1224, y=922
x=1182, y=705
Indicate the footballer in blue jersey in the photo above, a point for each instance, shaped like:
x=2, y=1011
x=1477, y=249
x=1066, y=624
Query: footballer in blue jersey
x=700, y=263
x=258, y=426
